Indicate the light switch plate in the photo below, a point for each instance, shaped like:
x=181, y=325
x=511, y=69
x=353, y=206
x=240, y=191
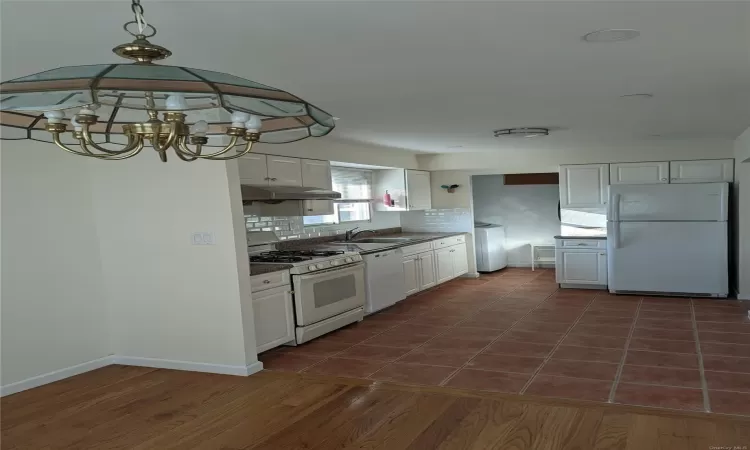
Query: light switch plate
x=203, y=238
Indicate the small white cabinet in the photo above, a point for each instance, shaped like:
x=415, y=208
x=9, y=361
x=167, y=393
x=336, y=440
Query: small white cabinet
x=411, y=274
x=409, y=189
x=444, y=264
x=581, y=266
x=460, y=260
x=702, y=171
x=284, y=171
x=418, y=195
x=274, y=317
x=584, y=185
x=653, y=172
x=317, y=207
x=316, y=173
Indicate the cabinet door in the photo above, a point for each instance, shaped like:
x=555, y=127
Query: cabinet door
x=581, y=266
x=444, y=264
x=418, y=195
x=253, y=169
x=284, y=171
x=705, y=171
x=656, y=172
x=274, y=317
x=427, y=275
x=317, y=207
x=584, y=186
x=411, y=275
x=460, y=260
x=316, y=173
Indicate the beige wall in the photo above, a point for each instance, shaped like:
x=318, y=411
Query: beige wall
x=54, y=307
x=331, y=149
x=742, y=214
x=547, y=159
x=171, y=300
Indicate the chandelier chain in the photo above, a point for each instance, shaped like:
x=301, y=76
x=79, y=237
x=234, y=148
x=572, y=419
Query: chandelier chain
x=137, y=9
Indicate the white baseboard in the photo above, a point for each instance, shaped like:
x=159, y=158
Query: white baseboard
x=223, y=369
x=55, y=375
x=470, y=275
x=88, y=366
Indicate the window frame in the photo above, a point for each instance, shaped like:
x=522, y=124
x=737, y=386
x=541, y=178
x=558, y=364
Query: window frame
x=338, y=215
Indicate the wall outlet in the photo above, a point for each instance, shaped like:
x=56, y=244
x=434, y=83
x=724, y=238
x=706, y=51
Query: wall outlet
x=203, y=238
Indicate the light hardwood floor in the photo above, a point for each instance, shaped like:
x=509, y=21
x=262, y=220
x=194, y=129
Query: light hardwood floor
x=140, y=408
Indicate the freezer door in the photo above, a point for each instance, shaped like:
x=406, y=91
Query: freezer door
x=668, y=202
x=677, y=257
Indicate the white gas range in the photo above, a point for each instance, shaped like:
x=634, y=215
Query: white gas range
x=328, y=286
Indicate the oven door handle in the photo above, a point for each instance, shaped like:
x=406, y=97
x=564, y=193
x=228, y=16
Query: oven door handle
x=310, y=275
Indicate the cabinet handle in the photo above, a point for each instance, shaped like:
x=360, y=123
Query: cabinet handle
x=663, y=179
x=274, y=179
x=602, y=254
x=266, y=281
x=310, y=209
x=266, y=178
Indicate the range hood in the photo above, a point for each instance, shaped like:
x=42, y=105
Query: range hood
x=279, y=193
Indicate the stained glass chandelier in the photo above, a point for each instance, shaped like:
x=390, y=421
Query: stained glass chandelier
x=111, y=111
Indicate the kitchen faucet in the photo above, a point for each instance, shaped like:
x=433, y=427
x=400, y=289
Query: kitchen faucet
x=349, y=235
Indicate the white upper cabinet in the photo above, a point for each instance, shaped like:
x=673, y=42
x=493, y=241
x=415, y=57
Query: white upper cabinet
x=584, y=186
x=702, y=171
x=418, y=195
x=655, y=172
x=316, y=173
x=253, y=169
x=284, y=171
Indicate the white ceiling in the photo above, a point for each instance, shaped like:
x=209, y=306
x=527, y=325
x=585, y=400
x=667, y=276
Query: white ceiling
x=429, y=76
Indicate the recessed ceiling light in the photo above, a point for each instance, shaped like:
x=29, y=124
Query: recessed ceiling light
x=637, y=96
x=611, y=35
x=525, y=132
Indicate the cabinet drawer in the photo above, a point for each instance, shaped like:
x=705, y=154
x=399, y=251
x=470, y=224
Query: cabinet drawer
x=447, y=242
x=581, y=243
x=269, y=280
x=417, y=248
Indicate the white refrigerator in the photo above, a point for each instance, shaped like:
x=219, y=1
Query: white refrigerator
x=668, y=239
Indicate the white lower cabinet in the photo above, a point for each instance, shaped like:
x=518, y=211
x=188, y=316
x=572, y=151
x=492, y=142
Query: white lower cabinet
x=444, y=264
x=426, y=266
x=274, y=317
x=411, y=274
x=581, y=266
x=460, y=260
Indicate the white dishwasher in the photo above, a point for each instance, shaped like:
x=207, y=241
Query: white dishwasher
x=384, y=279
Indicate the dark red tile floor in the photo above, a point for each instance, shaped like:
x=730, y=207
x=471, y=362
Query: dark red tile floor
x=514, y=331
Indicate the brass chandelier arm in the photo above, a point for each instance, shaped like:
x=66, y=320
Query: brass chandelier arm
x=168, y=143
x=197, y=152
x=132, y=152
x=132, y=143
x=245, y=151
x=179, y=149
x=56, y=140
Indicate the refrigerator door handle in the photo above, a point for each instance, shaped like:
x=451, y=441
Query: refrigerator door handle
x=615, y=213
x=615, y=235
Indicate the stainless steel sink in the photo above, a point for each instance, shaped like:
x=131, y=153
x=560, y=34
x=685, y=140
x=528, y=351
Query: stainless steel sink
x=375, y=241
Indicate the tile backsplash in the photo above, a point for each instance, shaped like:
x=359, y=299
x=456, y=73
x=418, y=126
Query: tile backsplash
x=291, y=227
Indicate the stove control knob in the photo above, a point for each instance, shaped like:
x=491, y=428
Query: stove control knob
x=320, y=266
x=311, y=267
x=336, y=262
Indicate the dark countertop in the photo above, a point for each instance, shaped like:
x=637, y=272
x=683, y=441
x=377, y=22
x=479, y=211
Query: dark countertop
x=259, y=269
x=600, y=236
x=367, y=248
